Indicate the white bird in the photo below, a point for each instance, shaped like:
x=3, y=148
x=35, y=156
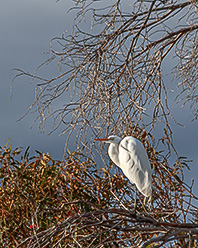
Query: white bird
x=130, y=155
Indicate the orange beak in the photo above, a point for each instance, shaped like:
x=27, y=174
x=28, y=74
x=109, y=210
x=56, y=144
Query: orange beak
x=105, y=139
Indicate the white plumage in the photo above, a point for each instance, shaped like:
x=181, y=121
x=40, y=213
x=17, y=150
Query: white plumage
x=130, y=155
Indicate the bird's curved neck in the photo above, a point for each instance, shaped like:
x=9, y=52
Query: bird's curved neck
x=113, y=153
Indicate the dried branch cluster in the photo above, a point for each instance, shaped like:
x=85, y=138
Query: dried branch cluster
x=117, y=227
x=111, y=75
x=71, y=203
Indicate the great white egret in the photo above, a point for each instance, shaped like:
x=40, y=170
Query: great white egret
x=130, y=155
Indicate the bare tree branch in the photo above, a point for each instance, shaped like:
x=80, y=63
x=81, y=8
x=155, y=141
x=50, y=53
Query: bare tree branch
x=117, y=221
x=111, y=75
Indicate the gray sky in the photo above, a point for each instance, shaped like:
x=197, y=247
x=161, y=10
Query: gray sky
x=26, y=29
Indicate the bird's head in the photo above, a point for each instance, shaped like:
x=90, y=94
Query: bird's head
x=111, y=139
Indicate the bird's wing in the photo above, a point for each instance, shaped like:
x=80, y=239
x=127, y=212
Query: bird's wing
x=134, y=163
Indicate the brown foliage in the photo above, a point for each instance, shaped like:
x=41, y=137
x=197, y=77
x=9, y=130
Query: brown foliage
x=71, y=203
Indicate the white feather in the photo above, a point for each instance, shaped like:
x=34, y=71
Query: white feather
x=130, y=155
